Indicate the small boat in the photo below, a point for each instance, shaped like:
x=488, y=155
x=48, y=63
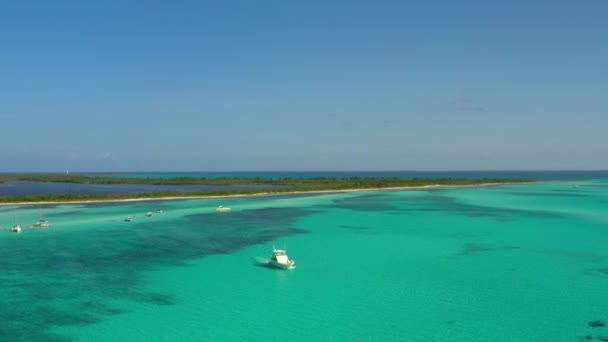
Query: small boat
x=222, y=209
x=160, y=211
x=16, y=229
x=129, y=218
x=148, y=214
x=280, y=259
x=40, y=224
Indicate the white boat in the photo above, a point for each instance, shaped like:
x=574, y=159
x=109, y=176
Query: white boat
x=40, y=224
x=160, y=211
x=280, y=259
x=129, y=218
x=222, y=209
x=16, y=227
x=148, y=214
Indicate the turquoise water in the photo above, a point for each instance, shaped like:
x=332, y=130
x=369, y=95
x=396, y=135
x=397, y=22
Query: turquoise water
x=524, y=262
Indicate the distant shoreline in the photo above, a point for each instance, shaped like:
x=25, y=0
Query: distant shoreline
x=261, y=194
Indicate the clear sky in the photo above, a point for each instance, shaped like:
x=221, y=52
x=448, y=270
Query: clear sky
x=303, y=85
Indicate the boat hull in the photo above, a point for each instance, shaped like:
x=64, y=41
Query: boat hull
x=275, y=264
x=40, y=224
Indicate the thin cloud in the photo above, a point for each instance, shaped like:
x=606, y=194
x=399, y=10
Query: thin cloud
x=464, y=104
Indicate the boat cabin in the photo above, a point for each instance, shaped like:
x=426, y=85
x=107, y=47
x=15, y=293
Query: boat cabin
x=280, y=256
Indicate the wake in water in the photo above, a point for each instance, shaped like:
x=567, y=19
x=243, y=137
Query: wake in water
x=261, y=261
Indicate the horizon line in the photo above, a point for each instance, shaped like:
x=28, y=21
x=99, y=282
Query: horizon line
x=336, y=171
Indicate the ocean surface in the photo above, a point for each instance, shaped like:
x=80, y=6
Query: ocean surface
x=525, y=262
x=540, y=175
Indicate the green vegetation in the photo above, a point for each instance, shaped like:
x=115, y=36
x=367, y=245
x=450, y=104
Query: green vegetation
x=287, y=185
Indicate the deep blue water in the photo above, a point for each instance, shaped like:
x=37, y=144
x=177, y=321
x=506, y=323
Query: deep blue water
x=43, y=188
x=537, y=175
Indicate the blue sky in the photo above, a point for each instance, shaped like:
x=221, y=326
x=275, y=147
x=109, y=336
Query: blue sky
x=303, y=85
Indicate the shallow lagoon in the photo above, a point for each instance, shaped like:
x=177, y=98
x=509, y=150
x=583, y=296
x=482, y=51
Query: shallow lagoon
x=493, y=263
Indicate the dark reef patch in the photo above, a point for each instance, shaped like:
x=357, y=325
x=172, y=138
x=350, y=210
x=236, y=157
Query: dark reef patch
x=98, y=307
x=460, y=235
x=600, y=186
x=63, y=213
x=547, y=194
x=597, y=272
x=572, y=254
x=361, y=230
x=433, y=190
x=77, y=278
x=354, y=227
x=155, y=298
x=441, y=203
x=596, y=324
x=368, y=202
x=475, y=248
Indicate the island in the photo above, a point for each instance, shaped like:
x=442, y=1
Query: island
x=275, y=186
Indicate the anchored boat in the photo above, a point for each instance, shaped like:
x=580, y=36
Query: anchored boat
x=280, y=259
x=40, y=224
